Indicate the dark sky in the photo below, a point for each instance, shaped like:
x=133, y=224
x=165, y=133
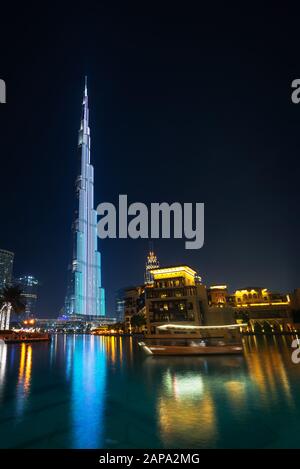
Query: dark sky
x=186, y=104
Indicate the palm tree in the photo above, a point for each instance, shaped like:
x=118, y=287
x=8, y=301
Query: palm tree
x=10, y=300
x=138, y=321
x=119, y=326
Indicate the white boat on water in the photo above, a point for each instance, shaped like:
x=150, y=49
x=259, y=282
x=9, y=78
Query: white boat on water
x=207, y=341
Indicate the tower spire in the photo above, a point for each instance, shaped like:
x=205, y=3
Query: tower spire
x=85, y=85
x=85, y=109
x=86, y=295
x=152, y=263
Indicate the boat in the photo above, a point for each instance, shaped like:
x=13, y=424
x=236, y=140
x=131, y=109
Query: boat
x=24, y=337
x=218, y=349
x=176, y=339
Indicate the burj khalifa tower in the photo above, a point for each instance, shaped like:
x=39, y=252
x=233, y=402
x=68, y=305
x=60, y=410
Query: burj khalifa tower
x=85, y=295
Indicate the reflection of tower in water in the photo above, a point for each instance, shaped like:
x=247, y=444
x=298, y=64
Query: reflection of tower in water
x=88, y=380
x=3, y=355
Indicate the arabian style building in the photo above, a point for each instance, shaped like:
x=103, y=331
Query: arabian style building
x=85, y=295
x=178, y=297
x=258, y=306
x=175, y=297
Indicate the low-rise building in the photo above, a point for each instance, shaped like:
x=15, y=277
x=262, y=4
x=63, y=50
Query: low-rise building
x=258, y=306
x=217, y=295
x=177, y=296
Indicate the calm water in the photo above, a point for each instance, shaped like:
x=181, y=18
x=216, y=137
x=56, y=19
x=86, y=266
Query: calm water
x=100, y=392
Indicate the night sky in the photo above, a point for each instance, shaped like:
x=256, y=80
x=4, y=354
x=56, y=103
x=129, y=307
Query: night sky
x=186, y=104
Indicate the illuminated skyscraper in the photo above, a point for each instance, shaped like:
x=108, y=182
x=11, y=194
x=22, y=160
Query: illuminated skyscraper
x=85, y=295
x=6, y=267
x=120, y=305
x=29, y=287
x=152, y=263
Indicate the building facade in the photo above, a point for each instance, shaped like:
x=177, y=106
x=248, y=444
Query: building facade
x=85, y=295
x=175, y=297
x=6, y=267
x=178, y=297
x=120, y=305
x=134, y=302
x=29, y=287
x=261, y=308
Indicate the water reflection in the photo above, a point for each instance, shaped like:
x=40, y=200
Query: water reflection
x=3, y=355
x=25, y=368
x=24, y=377
x=93, y=392
x=238, y=390
x=120, y=345
x=267, y=368
x=195, y=393
x=185, y=410
x=183, y=385
x=53, y=348
x=116, y=355
x=88, y=388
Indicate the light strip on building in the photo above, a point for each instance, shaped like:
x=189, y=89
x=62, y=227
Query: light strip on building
x=178, y=326
x=172, y=270
x=264, y=304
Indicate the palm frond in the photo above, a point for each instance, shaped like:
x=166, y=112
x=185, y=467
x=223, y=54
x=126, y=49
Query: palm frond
x=13, y=295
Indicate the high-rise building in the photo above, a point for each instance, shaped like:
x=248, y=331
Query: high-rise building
x=120, y=305
x=151, y=263
x=29, y=287
x=85, y=295
x=134, y=302
x=6, y=267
